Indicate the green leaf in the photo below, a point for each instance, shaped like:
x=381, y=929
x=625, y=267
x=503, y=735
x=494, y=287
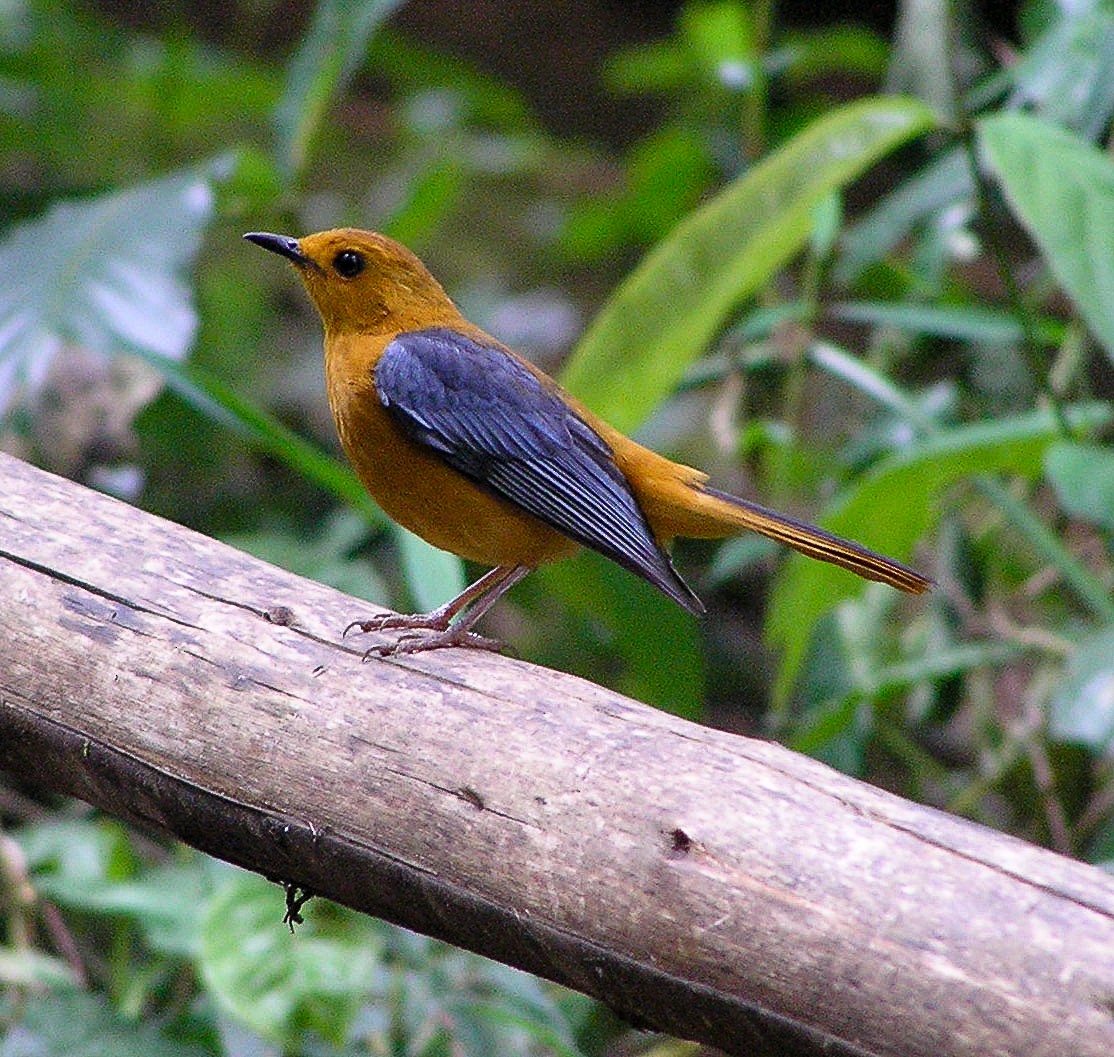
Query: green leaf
x=663, y=316
x=1048, y=548
x=659, y=66
x=329, y=54
x=895, y=504
x=666, y=174
x=1062, y=190
x=79, y=1024
x=68, y=858
x=1082, y=710
x=957, y=322
x=1066, y=73
x=106, y=274
x=433, y=576
x=278, y=985
x=1083, y=477
x=431, y=194
x=90, y=867
x=835, y=49
x=718, y=36
x=165, y=902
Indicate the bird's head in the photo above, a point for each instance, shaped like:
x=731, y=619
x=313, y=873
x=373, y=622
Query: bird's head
x=363, y=282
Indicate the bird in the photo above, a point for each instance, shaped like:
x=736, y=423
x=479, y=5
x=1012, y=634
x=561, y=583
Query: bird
x=479, y=452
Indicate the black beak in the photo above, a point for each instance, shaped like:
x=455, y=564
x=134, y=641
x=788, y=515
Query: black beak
x=283, y=245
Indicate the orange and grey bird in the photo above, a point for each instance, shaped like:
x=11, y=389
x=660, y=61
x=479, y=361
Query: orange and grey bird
x=479, y=452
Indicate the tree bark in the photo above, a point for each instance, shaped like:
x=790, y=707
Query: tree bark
x=716, y=887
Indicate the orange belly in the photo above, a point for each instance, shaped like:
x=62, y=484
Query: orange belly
x=432, y=500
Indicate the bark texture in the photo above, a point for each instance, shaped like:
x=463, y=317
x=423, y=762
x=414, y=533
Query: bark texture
x=716, y=887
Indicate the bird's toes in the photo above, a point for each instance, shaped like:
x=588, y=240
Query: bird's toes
x=394, y=621
x=441, y=640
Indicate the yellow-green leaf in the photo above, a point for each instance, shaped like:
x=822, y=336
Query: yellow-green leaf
x=665, y=313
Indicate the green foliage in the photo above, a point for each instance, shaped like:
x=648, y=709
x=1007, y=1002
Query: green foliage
x=1062, y=189
x=907, y=337
x=279, y=989
x=330, y=53
x=898, y=502
x=326, y=557
x=1083, y=477
x=341, y=984
x=110, y=277
x=94, y=106
x=76, y=1024
x=1082, y=710
x=625, y=617
x=665, y=313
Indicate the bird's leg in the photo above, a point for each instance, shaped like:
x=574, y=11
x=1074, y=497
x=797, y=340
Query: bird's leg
x=485, y=592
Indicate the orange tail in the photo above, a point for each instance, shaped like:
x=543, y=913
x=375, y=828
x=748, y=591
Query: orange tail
x=816, y=543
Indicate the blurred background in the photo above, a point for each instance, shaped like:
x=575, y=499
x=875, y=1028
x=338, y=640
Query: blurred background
x=851, y=260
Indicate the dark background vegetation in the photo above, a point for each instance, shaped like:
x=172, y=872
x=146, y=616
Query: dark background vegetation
x=915, y=348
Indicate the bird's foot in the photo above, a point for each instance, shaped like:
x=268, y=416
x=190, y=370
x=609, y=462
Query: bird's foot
x=435, y=621
x=440, y=640
x=444, y=635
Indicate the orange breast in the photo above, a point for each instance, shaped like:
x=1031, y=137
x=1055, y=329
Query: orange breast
x=417, y=489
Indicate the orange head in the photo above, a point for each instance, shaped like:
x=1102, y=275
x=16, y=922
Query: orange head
x=363, y=282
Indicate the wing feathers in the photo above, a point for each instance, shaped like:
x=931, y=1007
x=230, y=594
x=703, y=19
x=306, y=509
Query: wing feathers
x=494, y=422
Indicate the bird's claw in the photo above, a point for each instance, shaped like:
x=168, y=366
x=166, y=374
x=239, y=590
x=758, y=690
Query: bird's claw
x=415, y=642
x=392, y=621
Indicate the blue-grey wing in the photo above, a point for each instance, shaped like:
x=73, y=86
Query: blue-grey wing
x=497, y=424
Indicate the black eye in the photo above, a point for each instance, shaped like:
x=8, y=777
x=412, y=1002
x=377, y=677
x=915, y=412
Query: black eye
x=348, y=264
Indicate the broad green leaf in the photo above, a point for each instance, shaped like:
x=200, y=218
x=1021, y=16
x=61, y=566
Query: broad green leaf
x=1083, y=477
x=92, y=868
x=1082, y=710
x=165, y=902
x=1062, y=190
x=1066, y=74
x=277, y=986
x=665, y=313
x=110, y=278
x=433, y=576
x=330, y=53
x=892, y=506
x=80, y=1024
x=107, y=275
x=68, y=858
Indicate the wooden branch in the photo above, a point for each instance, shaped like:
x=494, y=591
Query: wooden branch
x=712, y=886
